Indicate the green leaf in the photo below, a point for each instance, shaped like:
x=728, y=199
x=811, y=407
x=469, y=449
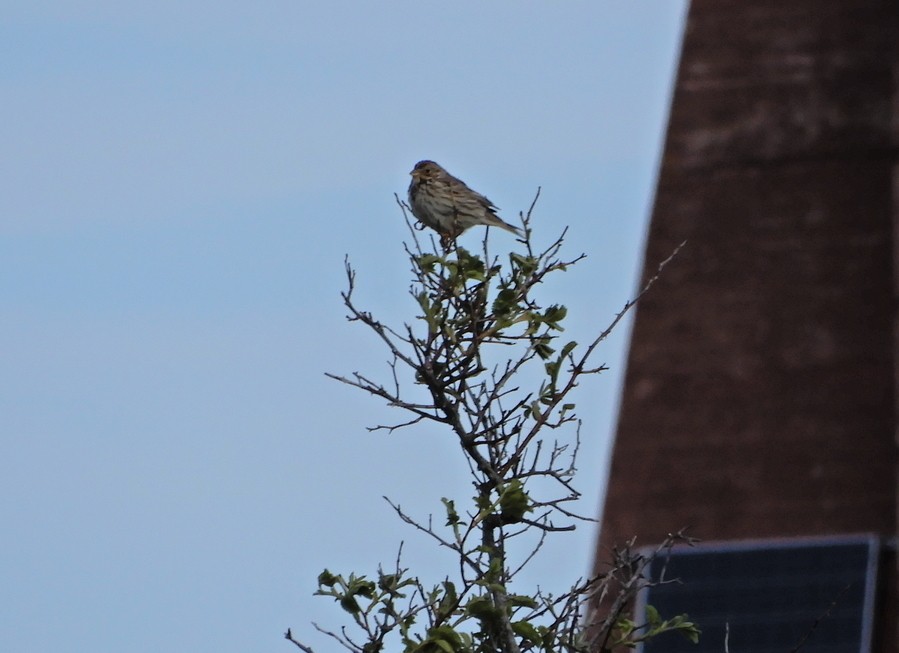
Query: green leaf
x=553, y=315
x=626, y=626
x=387, y=582
x=349, y=604
x=506, y=304
x=514, y=502
x=526, y=630
x=430, y=312
x=362, y=587
x=494, y=572
x=526, y=265
x=374, y=646
x=686, y=628
x=552, y=370
x=542, y=348
x=483, y=502
x=480, y=607
x=444, y=638
x=392, y=583
x=427, y=262
x=448, y=603
x=471, y=266
x=327, y=579
x=452, y=517
x=522, y=600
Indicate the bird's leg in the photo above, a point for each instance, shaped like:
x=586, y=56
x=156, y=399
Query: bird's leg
x=448, y=240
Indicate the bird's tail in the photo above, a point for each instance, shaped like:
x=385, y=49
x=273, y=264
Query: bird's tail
x=496, y=221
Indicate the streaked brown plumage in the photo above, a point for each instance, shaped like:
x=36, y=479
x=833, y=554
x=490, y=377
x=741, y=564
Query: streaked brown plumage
x=446, y=205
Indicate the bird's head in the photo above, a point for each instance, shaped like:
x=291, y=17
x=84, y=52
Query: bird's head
x=425, y=170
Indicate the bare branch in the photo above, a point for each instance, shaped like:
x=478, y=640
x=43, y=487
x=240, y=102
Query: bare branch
x=290, y=638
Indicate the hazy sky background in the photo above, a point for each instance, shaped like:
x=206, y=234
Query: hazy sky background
x=179, y=184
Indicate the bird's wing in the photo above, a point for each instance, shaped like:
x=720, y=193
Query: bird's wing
x=465, y=196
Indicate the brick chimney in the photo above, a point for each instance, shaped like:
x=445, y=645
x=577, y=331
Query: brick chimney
x=760, y=396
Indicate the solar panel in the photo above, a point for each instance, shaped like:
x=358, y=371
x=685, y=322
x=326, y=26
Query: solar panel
x=768, y=596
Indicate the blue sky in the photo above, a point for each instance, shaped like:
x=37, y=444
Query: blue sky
x=179, y=184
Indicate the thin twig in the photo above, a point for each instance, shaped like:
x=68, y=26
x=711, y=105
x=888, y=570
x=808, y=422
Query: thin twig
x=290, y=638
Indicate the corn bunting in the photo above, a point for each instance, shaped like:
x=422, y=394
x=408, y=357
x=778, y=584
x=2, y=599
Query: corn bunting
x=447, y=205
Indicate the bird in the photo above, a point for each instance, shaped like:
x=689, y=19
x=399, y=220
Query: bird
x=447, y=205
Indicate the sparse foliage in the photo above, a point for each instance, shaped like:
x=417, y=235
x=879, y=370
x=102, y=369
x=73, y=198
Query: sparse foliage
x=465, y=364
